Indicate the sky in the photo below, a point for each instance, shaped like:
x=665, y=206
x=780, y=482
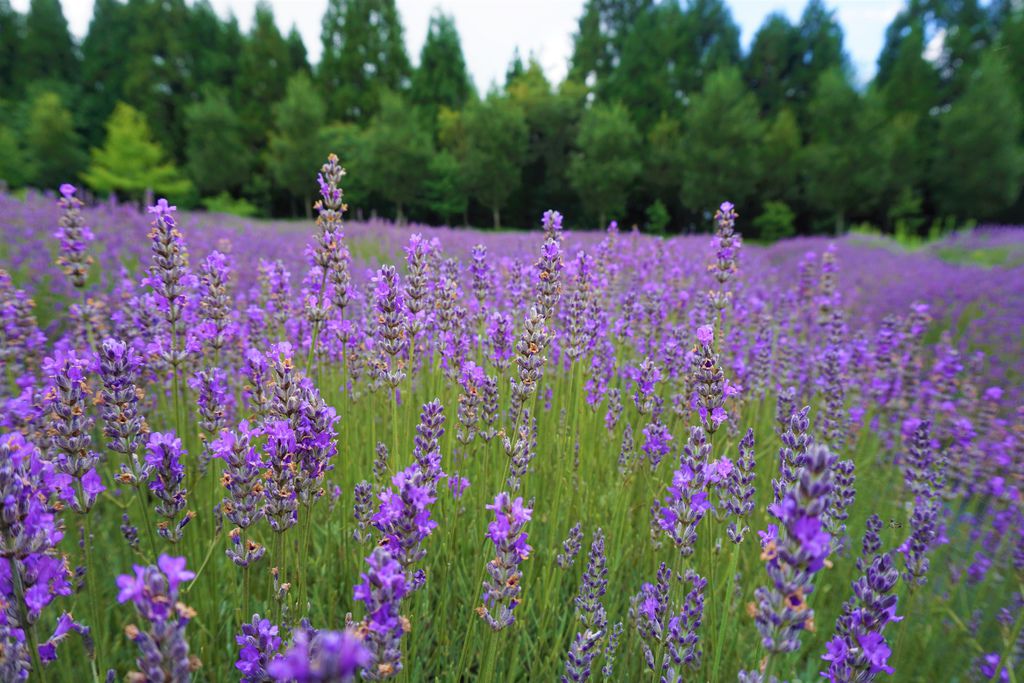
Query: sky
x=492, y=29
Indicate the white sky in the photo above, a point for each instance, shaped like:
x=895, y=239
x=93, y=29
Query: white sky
x=491, y=29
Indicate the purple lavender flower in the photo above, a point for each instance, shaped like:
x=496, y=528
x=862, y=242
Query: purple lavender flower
x=71, y=427
x=163, y=648
x=164, y=456
x=391, y=325
x=242, y=480
x=688, y=501
x=404, y=519
x=171, y=280
x=74, y=237
x=740, y=501
x=793, y=554
x=260, y=646
x=123, y=424
x=215, y=306
x=326, y=657
x=502, y=587
x=381, y=590
x=668, y=629
x=570, y=547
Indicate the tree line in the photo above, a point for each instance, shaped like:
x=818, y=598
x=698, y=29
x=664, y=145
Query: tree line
x=661, y=115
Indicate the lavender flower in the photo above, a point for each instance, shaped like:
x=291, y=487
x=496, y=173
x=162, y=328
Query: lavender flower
x=242, y=480
x=404, y=519
x=793, y=553
x=170, y=279
x=215, y=301
x=123, y=424
x=164, y=456
x=163, y=648
x=260, y=647
x=74, y=237
x=391, y=325
x=70, y=427
x=502, y=587
x=326, y=657
x=740, y=501
x=570, y=547
x=664, y=629
x=381, y=590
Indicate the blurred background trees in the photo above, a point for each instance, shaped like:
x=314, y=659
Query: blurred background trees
x=661, y=117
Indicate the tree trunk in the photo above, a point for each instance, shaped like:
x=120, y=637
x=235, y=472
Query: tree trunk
x=308, y=203
x=601, y=225
x=400, y=217
x=840, y=222
x=497, y=218
x=465, y=218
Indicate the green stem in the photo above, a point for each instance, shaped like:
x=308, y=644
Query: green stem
x=28, y=627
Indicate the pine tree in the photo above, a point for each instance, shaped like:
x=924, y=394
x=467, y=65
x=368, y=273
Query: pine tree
x=11, y=31
x=773, y=62
x=599, y=42
x=980, y=159
x=295, y=144
x=363, y=54
x=130, y=162
x=494, y=150
x=722, y=136
x=218, y=159
x=104, y=65
x=780, y=151
x=607, y=162
x=441, y=78
x=264, y=70
x=397, y=149
x=47, y=53
x=53, y=147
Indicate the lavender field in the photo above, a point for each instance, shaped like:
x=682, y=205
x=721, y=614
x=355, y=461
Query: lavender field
x=287, y=451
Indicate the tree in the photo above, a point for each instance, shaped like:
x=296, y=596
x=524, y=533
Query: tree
x=215, y=45
x=445, y=187
x=363, y=54
x=295, y=143
x=298, y=59
x=441, y=79
x=821, y=48
x=218, y=159
x=847, y=158
x=980, y=160
x=599, y=41
x=10, y=48
x=662, y=165
x=47, y=53
x=13, y=162
x=780, y=152
x=722, y=134
x=773, y=60
x=608, y=161
x=130, y=162
x=397, y=149
x=104, y=66
x=53, y=147
x=494, y=149
x=264, y=70
x=552, y=119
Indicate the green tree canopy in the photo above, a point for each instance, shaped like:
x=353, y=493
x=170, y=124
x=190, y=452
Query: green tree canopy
x=295, y=143
x=47, y=53
x=131, y=162
x=51, y=142
x=441, y=80
x=607, y=162
x=980, y=162
x=396, y=150
x=218, y=158
x=721, y=141
x=363, y=54
x=493, y=151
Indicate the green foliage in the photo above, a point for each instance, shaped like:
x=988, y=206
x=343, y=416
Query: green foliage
x=397, y=148
x=607, y=161
x=441, y=79
x=13, y=160
x=847, y=158
x=294, y=145
x=225, y=203
x=10, y=47
x=264, y=69
x=780, y=159
x=363, y=54
x=51, y=143
x=47, y=53
x=979, y=160
x=130, y=162
x=721, y=140
x=218, y=159
x=776, y=222
x=445, y=193
x=492, y=151
x=657, y=217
